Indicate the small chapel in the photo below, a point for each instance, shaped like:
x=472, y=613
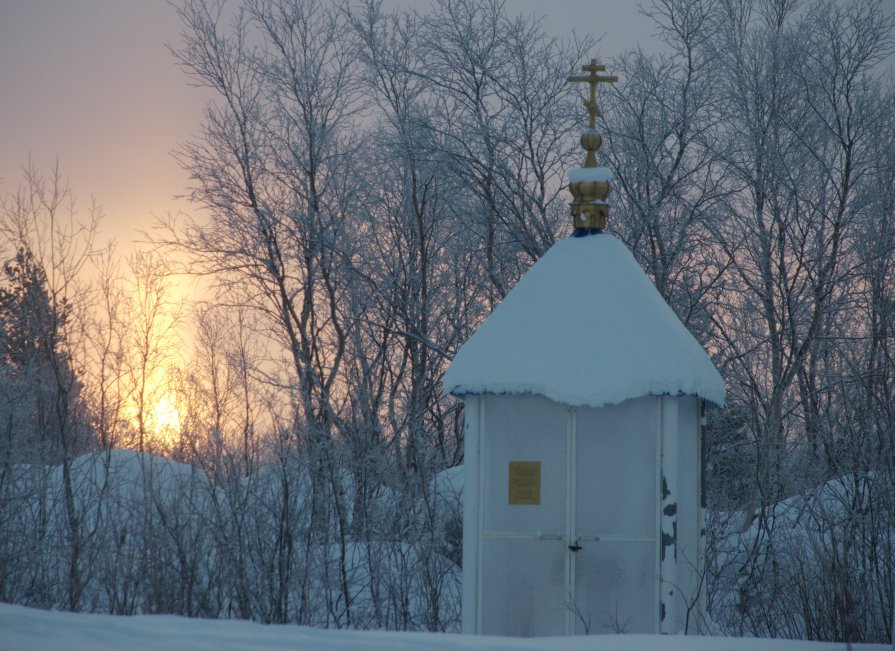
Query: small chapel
x=583, y=394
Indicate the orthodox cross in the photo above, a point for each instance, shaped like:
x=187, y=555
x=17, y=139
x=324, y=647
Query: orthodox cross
x=593, y=79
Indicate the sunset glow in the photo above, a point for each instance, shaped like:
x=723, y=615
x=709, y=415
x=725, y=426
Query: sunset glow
x=161, y=414
x=163, y=418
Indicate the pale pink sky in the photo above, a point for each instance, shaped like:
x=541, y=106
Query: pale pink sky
x=92, y=82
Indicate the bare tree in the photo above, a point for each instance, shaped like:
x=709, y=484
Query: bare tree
x=40, y=223
x=662, y=128
x=152, y=340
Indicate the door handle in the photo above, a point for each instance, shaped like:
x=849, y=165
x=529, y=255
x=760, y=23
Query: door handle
x=575, y=547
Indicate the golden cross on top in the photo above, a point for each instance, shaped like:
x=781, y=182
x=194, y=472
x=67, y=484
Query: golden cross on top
x=593, y=79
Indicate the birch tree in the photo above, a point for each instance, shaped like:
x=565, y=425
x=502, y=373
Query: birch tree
x=48, y=299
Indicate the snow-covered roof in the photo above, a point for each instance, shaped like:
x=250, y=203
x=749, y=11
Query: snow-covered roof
x=589, y=174
x=584, y=326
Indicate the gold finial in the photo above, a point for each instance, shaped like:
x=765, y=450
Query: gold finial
x=593, y=79
x=590, y=189
x=593, y=110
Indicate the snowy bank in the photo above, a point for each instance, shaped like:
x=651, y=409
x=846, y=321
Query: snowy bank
x=27, y=629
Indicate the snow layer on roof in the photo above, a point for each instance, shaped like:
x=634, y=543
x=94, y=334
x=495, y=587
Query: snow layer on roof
x=584, y=326
x=589, y=174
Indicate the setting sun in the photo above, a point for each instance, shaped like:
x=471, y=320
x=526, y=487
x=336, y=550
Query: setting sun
x=163, y=418
x=158, y=422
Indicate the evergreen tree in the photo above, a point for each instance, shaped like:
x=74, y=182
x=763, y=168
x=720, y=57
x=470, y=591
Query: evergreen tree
x=36, y=375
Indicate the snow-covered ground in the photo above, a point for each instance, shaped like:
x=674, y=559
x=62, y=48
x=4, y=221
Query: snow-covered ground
x=27, y=629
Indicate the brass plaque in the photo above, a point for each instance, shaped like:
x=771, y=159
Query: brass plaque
x=525, y=482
